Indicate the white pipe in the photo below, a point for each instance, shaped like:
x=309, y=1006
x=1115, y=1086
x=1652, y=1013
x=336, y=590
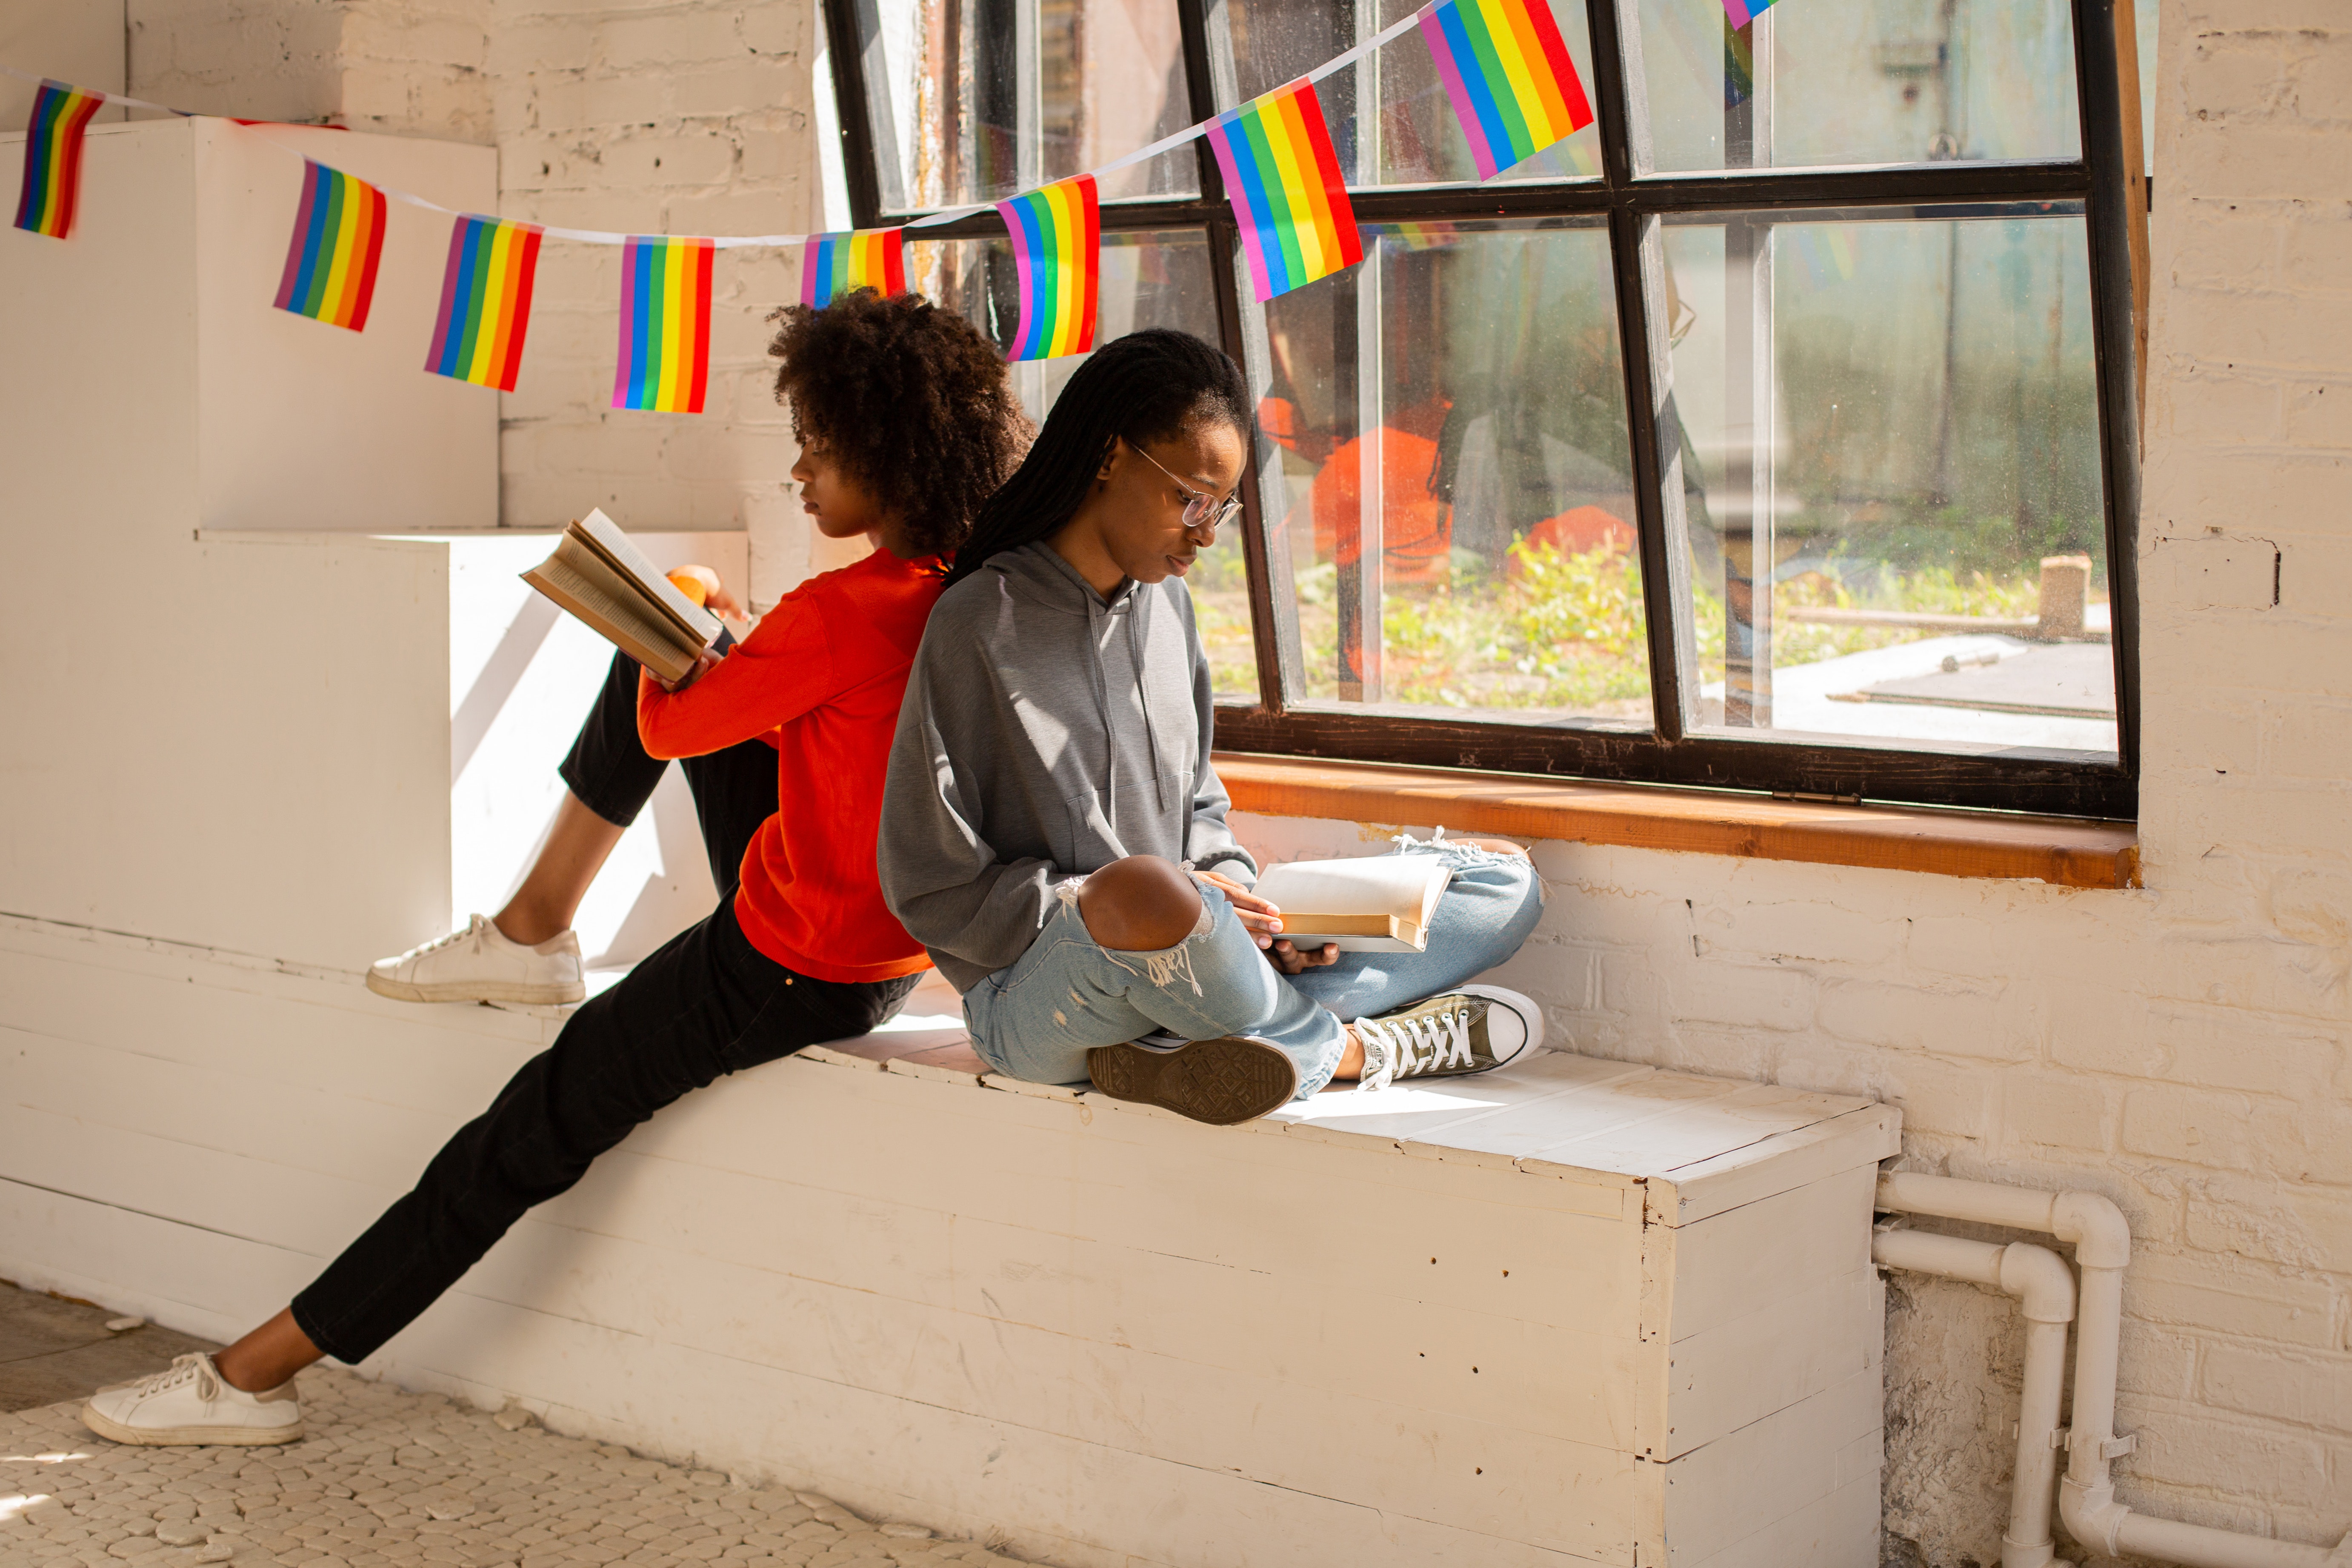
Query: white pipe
x=2087, y=1500
x=2193, y=1543
x=2046, y=1293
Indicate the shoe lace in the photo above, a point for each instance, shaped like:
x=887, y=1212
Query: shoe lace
x=1411, y=1047
x=183, y=1369
x=477, y=933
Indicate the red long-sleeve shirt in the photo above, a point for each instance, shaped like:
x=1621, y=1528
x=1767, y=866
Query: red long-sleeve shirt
x=820, y=678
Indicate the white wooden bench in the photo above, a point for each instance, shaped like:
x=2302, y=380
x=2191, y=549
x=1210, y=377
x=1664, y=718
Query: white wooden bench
x=1583, y=1311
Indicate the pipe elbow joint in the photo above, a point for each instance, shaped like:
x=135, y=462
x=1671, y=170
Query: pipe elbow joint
x=2040, y=1279
x=2101, y=1235
x=2092, y=1515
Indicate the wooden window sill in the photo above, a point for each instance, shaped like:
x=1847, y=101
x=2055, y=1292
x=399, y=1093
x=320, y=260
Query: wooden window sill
x=2071, y=854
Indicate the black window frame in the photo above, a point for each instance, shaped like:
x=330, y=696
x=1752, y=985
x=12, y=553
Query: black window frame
x=2014, y=779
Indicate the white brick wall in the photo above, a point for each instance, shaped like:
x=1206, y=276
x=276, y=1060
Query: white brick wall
x=692, y=118
x=664, y=117
x=2183, y=1049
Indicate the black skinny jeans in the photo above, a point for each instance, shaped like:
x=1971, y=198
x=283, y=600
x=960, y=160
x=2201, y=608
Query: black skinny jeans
x=706, y=1003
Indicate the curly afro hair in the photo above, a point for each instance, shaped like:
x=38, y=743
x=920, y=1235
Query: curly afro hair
x=909, y=400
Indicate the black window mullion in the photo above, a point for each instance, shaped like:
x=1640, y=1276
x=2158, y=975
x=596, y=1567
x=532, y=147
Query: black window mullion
x=1761, y=190
x=1633, y=203
x=1615, y=111
x=845, y=39
x=1269, y=614
x=1118, y=218
x=2099, y=92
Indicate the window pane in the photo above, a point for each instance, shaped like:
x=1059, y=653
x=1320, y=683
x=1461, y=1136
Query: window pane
x=1856, y=81
x=1449, y=503
x=1153, y=278
x=1900, y=416
x=977, y=99
x=1255, y=46
x=2144, y=15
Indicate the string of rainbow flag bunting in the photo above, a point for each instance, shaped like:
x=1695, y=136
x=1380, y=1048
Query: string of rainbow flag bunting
x=1506, y=70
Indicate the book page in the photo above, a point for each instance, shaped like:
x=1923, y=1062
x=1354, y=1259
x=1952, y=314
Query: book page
x=1398, y=885
x=602, y=534
x=1367, y=903
x=620, y=619
x=576, y=553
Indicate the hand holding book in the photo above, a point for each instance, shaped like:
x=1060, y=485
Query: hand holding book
x=704, y=663
x=1263, y=920
x=1363, y=903
x=598, y=575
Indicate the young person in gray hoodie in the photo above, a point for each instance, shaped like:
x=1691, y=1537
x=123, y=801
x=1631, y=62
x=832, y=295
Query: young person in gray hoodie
x=1054, y=833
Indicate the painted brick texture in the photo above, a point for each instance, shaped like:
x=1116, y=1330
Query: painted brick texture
x=676, y=116
x=2184, y=1049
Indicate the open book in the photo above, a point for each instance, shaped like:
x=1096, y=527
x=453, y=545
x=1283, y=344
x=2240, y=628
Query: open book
x=598, y=575
x=1367, y=903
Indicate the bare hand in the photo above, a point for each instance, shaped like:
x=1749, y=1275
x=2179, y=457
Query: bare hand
x=705, y=662
x=724, y=606
x=716, y=598
x=1263, y=920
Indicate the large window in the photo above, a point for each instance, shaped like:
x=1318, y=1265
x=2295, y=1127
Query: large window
x=1777, y=432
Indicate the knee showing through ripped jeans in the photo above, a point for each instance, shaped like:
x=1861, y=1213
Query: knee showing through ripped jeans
x=1140, y=904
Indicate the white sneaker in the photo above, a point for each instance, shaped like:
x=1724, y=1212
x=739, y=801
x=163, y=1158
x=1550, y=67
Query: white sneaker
x=189, y=1403
x=1469, y=1029
x=479, y=964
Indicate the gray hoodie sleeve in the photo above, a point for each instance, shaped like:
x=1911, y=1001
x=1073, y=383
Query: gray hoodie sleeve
x=1209, y=843
x=940, y=876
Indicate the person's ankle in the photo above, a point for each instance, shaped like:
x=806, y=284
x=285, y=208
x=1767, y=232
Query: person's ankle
x=1351, y=1058
x=527, y=928
x=234, y=1372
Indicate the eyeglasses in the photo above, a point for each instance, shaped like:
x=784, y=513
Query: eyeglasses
x=1201, y=511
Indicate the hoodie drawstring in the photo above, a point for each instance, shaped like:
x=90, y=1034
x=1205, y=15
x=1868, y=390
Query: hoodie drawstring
x=1137, y=604
x=1095, y=612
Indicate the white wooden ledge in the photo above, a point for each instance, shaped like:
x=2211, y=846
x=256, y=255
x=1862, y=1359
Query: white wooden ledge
x=1578, y=1312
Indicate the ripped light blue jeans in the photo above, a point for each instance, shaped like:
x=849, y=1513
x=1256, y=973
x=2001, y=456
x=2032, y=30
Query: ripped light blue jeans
x=1037, y=1018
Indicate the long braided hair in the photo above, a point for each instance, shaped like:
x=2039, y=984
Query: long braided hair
x=1144, y=387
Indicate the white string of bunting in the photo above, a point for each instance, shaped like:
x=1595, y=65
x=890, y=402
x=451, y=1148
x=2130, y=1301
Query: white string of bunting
x=1506, y=70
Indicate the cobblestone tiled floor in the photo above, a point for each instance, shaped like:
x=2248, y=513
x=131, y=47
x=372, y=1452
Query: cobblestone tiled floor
x=391, y=1478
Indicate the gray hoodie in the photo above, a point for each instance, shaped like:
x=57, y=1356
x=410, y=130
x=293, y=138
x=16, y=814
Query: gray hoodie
x=1047, y=732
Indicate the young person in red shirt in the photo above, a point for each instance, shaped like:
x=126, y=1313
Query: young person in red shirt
x=907, y=422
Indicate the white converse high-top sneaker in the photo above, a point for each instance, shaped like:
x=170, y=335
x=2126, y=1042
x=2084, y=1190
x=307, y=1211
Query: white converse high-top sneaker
x=479, y=964
x=188, y=1404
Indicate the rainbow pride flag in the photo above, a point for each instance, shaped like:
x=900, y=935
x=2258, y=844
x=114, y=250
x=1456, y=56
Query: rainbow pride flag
x=1425, y=235
x=1742, y=12
x=53, y=157
x=330, y=262
x=485, y=302
x=1284, y=182
x=1057, y=242
x=1739, y=65
x=834, y=264
x=1506, y=69
x=665, y=325
x=1827, y=250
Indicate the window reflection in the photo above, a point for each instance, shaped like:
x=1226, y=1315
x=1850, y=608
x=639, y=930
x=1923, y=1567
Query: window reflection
x=1857, y=81
x=1444, y=474
x=1255, y=46
x=1888, y=475
x=978, y=99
